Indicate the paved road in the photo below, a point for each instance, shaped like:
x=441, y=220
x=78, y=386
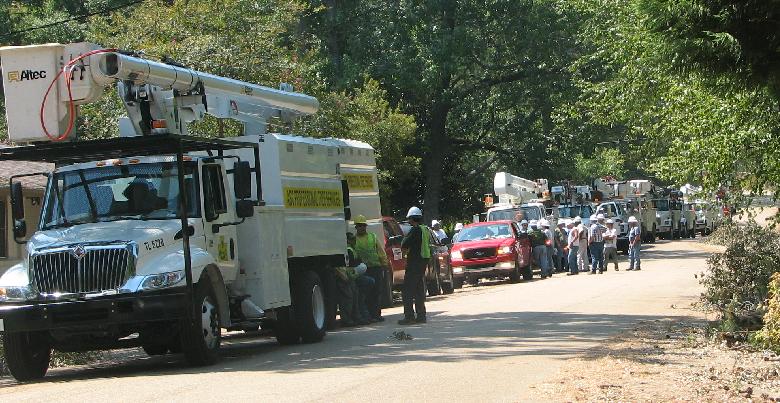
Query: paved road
x=485, y=343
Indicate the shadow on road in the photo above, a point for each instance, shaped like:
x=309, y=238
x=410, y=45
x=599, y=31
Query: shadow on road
x=444, y=339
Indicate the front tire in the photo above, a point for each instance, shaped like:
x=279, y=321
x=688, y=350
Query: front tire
x=387, y=293
x=27, y=354
x=201, y=335
x=434, y=286
x=448, y=287
x=514, y=276
x=528, y=274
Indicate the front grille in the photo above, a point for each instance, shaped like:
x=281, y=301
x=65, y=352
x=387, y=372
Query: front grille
x=99, y=269
x=479, y=253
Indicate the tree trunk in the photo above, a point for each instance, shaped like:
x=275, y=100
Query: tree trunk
x=433, y=164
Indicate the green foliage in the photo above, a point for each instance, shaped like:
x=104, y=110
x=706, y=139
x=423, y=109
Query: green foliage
x=737, y=281
x=769, y=335
x=605, y=162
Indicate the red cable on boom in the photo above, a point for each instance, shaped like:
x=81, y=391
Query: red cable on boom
x=71, y=106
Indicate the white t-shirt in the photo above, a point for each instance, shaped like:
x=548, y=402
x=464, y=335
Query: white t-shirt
x=611, y=243
x=573, y=237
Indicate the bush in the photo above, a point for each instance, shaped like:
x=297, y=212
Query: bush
x=769, y=335
x=737, y=281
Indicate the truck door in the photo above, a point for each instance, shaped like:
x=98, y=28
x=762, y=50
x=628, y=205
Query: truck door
x=218, y=210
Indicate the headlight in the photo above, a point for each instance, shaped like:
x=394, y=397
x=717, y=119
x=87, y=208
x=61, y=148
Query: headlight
x=457, y=270
x=504, y=250
x=15, y=293
x=456, y=255
x=162, y=280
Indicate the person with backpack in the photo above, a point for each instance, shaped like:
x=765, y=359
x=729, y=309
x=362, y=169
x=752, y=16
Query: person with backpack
x=372, y=253
x=417, y=246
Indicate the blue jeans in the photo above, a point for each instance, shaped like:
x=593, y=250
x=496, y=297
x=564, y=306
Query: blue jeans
x=573, y=259
x=597, y=254
x=633, y=257
x=540, y=256
x=364, y=285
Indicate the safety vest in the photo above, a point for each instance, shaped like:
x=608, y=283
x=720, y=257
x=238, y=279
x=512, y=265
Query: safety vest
x=425, y=245
x=366, y=247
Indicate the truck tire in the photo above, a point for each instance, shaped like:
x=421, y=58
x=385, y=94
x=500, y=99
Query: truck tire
x=387, y=292
x=448, y=286
x=155, y=349
x=528, y=274
x=27, y=354
x=514, y=276
x=284, y=327
x=434, y=286
x=201, y=335
x=309, y=307
x=457, y=283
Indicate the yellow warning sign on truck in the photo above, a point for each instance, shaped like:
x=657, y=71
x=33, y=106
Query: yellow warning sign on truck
x=360, y=181
x=312, y=198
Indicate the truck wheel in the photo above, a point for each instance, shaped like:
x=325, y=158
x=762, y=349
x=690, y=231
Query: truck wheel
x=457, y=283
x=27, y=354
x=201, y=335
x=448, y=286
x=514, y=276
x=387, y=292
x=309, y=307
x=155, y=349
x=284, y=327
x=434, y=286
x=528, y=274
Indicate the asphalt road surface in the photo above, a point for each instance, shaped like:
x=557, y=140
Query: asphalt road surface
x=484, y=343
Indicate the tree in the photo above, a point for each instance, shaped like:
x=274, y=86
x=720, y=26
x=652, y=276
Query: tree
x=605, y=162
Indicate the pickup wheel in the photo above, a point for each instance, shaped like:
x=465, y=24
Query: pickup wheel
x=528, y=274
x=514, y=276
x=448, y=286
x=201, y=336
x=434, y=285
x=309, y=307
x=27, y=354
x=387, y=292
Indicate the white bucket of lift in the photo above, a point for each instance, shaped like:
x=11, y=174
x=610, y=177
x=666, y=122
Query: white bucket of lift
x=27, y=73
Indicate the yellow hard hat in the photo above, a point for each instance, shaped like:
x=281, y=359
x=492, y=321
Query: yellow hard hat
x=361, y=219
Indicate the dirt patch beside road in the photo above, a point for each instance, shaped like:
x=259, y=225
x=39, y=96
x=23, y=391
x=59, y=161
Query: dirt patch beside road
x=666, y=360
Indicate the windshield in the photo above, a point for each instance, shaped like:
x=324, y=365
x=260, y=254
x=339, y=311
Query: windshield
x=575, y=211
x=138, y=191
x=662, y=205
x=482, y=232
x=529, y=213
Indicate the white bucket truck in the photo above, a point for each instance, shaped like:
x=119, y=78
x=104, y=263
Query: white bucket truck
x=519, y=195
x=160, y=239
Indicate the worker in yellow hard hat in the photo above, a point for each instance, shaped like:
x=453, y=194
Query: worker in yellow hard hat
x=372, y=253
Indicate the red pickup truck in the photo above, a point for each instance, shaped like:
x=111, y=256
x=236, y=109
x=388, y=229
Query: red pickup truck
x=491, y=249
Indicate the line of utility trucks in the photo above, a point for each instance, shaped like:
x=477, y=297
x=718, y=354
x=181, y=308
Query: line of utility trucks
x=663, y=213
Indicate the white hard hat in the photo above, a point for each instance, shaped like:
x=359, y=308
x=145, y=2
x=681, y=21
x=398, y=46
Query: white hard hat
x=524, y=222
x=632, y=219
x=545, y=223
x=569, y=222
x=610, y=221
x=534, y=223
x=434, y=223
x=577, y=219
x=562, y=222
x=458, y=226
x=414, y=212
x=600, y=217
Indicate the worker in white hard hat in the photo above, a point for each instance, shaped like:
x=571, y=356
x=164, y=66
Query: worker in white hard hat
x=596, y=244
x=417, y=246
x=573, y=245
x=560, y=245
x=440, y=234
x=524, y=226
x=550, y=243
x=371, y=252
x=634, y=243
x=610, y=244
x=458, y=228
x=539, y=244
x=582, y=250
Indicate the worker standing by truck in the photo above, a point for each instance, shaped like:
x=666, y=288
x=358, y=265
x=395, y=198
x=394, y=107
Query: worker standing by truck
x=371, y=252
x=634, y=243
x=538, y=241
x=573, y=239
x=417, y=247
x=610, y=244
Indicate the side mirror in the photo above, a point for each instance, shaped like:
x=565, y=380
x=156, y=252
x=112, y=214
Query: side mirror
x=245, y=208
x=20, y=229
x=242, y=180
x=17, y=201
